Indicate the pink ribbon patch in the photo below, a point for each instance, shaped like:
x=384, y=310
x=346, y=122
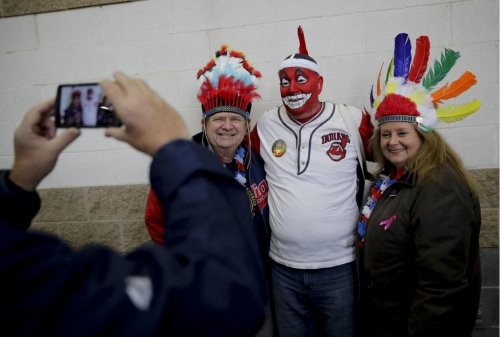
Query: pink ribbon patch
x=388, y=222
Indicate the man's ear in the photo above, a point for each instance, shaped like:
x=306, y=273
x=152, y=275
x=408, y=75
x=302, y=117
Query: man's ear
x=320, y=84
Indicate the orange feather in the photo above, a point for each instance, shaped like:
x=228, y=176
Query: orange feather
x=457, y=87
x=378, y=80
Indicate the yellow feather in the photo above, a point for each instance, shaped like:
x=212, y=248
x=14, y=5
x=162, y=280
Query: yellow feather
x=451, y=113
x=418, y=97
x=391, y=87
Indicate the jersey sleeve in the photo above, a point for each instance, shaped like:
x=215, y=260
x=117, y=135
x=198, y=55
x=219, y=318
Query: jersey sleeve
x=255, y=140
x=366, y=130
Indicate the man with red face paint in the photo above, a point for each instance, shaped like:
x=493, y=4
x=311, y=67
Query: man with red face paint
x=311, y=166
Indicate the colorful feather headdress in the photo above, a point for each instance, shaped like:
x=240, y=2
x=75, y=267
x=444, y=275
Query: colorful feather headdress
x=406, y=95
x=302, y=58
x=228, y=84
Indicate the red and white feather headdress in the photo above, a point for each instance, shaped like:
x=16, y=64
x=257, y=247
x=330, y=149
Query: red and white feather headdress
x=228, y=84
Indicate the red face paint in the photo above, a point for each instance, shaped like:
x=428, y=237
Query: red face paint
x=300, y=89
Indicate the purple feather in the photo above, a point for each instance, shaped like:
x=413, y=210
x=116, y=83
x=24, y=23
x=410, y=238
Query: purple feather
x=372, y=100
x=402, y=55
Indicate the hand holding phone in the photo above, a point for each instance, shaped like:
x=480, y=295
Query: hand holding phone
x=83, y=105
x=150, y=121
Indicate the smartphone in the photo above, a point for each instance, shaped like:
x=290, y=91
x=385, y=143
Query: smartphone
x=83, y=105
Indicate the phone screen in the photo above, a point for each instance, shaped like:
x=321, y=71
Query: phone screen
x=83, y=105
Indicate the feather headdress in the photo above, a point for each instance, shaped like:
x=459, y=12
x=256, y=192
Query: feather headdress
x=406, y=97
x=228, y=83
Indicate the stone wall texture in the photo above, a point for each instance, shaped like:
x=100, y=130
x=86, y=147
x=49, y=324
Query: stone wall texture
x=114, y=215
x=23, y=7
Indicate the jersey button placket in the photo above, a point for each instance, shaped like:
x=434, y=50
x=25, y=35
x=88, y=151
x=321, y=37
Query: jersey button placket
x=303, y=154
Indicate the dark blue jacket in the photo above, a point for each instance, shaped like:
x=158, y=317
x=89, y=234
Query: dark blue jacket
x=207, y=281
x=257, y=184
x=257, y=190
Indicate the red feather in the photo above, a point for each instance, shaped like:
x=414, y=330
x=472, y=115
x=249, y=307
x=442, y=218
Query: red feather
x=251, y=69
x=235, y=93
x=209, y=66
x=302, y=41
x=237, y=53
x=419, y=65
x=366, y=130
x=205, y=94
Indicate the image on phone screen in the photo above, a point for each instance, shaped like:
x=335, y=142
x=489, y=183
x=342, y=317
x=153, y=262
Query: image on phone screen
x=83, y=106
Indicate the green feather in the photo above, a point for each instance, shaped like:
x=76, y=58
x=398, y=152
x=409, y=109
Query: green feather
x=389, y=70
x=440, y=69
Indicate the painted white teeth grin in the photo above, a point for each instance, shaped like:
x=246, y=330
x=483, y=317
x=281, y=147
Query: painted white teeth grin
x=296, y=101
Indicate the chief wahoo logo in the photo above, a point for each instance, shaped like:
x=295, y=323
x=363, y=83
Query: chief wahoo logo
x=337, y=150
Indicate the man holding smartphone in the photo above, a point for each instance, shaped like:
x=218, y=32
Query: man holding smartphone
x=48, y=289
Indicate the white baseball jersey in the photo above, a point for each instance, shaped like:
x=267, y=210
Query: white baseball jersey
x=89, y=109
x=312, y=187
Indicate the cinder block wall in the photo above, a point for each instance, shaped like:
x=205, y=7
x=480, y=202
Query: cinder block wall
x=111, y=215
x=165, y=42
x=114, y=216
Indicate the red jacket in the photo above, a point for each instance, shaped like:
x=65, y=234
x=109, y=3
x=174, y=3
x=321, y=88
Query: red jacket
x=154, y=219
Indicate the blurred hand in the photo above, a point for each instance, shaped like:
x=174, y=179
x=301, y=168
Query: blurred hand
x=36, y=146
x=148, y=121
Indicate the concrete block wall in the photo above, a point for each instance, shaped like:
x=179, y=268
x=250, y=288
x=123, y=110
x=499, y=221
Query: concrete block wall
x=98, y=189
x=75, y=214
x=109, y=215
x=165, y=42
x=487, y=320
x=23, y=7
x=114, y=216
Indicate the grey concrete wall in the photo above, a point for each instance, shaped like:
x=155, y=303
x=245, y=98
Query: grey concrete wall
x=23, y=7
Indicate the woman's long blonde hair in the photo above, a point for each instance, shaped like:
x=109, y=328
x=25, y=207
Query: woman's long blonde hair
x=433, y=153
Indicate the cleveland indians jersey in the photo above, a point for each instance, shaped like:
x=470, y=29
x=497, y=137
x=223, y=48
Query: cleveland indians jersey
x=311, y=173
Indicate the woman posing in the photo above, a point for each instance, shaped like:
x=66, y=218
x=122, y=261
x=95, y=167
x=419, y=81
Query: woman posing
x=419, y=230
